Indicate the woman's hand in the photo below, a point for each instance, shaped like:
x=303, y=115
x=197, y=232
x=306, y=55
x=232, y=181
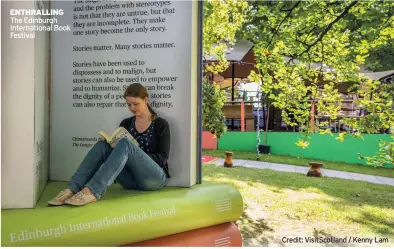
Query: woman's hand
x=105, y=140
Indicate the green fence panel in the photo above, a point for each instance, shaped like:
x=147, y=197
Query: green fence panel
x=244, y=141
x=322, y=147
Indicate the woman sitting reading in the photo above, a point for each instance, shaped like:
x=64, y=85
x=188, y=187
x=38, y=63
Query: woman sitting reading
x=142, y=167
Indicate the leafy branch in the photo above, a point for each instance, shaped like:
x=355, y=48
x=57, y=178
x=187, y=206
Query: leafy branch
x=328, y=28
x=280, y=24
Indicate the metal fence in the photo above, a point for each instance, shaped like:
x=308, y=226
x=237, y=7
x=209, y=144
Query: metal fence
x=349, y=109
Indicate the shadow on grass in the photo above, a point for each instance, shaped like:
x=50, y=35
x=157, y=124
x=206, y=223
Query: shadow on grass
x=376, y=224
x=255, y=232
x=347, y=194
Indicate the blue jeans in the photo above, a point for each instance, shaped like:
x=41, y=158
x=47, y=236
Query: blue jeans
x=127, y=163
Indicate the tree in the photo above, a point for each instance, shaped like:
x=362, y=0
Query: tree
x=222, y=19
x=213, y=101
x=306, y=49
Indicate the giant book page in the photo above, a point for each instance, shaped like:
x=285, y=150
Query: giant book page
x=24, y=106
x=110, y=45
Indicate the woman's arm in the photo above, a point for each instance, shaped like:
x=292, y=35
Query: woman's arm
x=162, y=151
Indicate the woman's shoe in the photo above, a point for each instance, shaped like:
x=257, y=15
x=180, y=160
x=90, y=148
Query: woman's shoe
x=81, y=199
x=60, y=198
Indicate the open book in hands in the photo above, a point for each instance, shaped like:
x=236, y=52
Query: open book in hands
x=117, y=136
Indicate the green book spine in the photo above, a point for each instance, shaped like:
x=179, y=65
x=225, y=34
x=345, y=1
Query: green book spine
x=122, y=217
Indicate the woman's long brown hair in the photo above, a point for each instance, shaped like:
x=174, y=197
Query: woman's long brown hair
x=136, y=90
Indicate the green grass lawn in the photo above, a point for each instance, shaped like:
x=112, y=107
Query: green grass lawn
x=281, y=204
x=304, y=162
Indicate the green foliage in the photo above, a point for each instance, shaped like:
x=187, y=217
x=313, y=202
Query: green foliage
x=213, y=101
x=377, y=101
x=381, y=58
x=222, y=19
x=306, y=49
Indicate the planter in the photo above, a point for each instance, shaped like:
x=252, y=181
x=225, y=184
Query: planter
x=264, y=149
x=228, y=161
x=315, y=169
